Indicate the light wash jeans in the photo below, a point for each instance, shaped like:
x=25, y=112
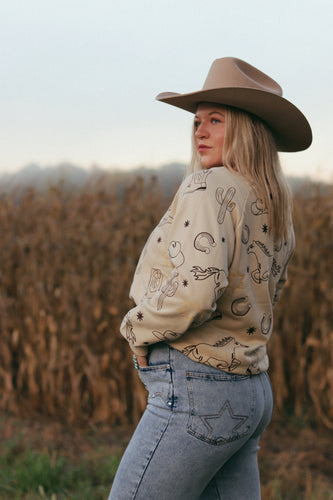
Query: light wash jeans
x=198, y=438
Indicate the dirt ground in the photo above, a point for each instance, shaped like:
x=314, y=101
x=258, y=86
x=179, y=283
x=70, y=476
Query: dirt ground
x=300, y=458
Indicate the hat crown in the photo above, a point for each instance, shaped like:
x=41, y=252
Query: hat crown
x=230, y=72
x=235, y=83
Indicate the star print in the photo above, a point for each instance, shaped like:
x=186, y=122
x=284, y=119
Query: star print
x=230, y=423
x=139, y=316
x=264, y=228
x=251, y=330
x=187, y=223
x=185, y=283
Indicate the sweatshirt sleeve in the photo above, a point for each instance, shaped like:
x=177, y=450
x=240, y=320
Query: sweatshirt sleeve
x=284, y=275
x=194, y=260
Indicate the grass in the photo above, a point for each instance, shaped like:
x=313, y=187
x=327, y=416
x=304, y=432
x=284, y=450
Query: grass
x=30, y=474
x=46, y=459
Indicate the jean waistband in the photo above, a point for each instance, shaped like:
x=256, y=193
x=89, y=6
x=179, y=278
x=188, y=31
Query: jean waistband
x=163, y=353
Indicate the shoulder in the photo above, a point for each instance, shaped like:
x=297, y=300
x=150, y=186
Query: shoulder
x=214, y=191
x=213, y=177
x=216, y=183
x=224, y=176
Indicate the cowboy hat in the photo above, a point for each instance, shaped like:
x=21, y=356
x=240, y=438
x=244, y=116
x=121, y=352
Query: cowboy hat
x=236, y=83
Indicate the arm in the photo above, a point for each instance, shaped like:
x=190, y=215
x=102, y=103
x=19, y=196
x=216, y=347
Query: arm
x=284, y=274
x=197, y=254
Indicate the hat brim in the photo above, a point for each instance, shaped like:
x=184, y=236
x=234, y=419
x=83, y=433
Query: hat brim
x=287, y=123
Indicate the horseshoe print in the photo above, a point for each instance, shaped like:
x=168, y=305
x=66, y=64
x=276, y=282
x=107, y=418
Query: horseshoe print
x=241, y=306
x=266, y=324
x=200, y=240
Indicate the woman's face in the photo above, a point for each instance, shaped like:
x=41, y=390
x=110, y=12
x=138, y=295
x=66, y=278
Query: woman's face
x=209, y=124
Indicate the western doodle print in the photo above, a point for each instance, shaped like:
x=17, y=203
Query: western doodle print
x=266, y=324
x=278, y=246
x=257, y=249
x=219, y=277
x=253, y=368
x=203, y=241
x=198, y=182
x=167, y=335
x=276, y=269
x=223, y=360
x=166, y=219
x=258, y=207
x=140, y=316
x=155, y=280
x=225, y=202
x=194, y=259
x=176, y=255
x=167, y=290
x=130, y=336
x=241, y=306
x=245, y=234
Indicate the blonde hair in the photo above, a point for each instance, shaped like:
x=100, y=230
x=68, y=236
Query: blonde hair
x=249, y=149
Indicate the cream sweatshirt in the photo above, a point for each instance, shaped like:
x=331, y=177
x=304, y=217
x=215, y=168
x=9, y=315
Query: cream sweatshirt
x=209, y=276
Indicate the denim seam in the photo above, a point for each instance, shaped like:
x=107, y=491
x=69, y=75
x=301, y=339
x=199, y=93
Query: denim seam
x=173, y=405
x=217, y=490
x=151, y=456
x=265, y=399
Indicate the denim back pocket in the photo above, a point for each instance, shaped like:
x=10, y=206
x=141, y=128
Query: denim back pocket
x=221, y=406
x=158, y=381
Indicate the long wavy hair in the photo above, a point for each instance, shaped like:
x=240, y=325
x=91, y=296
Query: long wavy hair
x=249, y=149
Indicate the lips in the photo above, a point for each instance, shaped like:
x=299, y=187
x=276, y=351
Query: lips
x=203, y=147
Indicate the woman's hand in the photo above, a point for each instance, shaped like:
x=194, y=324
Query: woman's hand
x=142, y=361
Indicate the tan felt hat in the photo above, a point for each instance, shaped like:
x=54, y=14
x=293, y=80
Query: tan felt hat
x=236, y=83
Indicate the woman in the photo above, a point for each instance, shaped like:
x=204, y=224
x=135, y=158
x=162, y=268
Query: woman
x=205, y=287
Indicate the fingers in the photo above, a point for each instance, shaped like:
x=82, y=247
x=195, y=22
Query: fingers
x=142, y=361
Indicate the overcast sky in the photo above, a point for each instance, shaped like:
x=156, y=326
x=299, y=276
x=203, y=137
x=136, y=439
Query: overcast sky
x=79, y=78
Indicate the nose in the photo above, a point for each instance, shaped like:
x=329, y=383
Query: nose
x=201, y=131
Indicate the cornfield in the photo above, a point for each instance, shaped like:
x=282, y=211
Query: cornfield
x=67, y=260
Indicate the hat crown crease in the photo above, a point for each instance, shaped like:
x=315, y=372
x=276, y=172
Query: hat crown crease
x=230, y=72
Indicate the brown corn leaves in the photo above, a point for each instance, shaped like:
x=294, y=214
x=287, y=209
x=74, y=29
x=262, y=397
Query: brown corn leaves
x=67, y=260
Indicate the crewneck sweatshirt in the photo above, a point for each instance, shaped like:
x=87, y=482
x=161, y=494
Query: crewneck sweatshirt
x=209, y=276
